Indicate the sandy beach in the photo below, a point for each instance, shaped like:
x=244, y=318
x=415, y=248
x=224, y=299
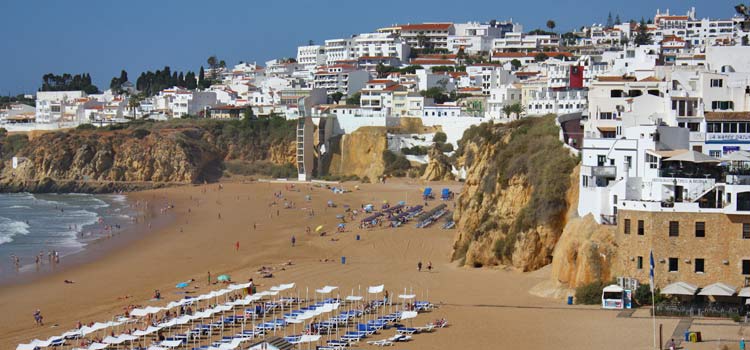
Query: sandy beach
x=486, y=308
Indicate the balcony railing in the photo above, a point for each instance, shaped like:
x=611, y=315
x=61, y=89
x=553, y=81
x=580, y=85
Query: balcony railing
x=609, y=219
x=604, y=171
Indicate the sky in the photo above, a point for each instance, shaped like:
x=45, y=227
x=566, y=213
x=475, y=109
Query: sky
x=102, y=37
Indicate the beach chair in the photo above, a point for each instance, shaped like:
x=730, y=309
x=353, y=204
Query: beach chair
x=382, y=342
x=407, y=330
x=426, y=329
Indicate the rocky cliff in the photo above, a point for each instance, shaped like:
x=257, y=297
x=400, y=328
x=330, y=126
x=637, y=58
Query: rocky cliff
x=439, y=166
x=512, y=207
x=359, y=153
x=585, y=250
x=142, y=155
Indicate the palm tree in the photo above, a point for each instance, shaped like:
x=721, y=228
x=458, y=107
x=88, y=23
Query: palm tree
x=551, y=25
x=507, y=110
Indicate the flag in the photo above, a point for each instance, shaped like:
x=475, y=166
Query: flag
x=651, y=272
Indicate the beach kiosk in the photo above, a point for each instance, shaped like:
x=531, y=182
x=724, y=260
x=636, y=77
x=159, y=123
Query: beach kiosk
x=614, y=297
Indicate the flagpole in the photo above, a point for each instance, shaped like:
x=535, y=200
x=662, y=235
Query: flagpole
x=653, y=297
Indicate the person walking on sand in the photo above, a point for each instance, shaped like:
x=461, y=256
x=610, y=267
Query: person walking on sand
x=38, y=318
x=419, y=266
x=209, y=278
x=294, y=240
x=429, y=266
x=237, y=246
x=742, y=344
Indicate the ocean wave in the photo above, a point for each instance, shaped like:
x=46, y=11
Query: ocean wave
x=19, y=207
x=11, y=228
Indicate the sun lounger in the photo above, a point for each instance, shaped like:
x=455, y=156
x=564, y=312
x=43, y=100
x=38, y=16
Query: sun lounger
x=407, y=330
x=382, y=342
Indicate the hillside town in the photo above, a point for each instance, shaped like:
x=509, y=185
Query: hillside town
x=658, y=111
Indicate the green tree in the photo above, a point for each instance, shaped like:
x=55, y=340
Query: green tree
x=617, y=20
x=440, y=137
x=337, y=96
x=643, y=37
x=422, y=41
x=551, y=25
x=541, y=57
x=515, y=63
x=354, y=99
x=222, y=64
x=213, y=62
x=248, y=115
x=610, y=23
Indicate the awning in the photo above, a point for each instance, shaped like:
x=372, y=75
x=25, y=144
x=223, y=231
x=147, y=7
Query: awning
x=738, y=156
x=718, y=289
x=613, y=288
x=693, y=157
x=607, y=128
x=679, y=288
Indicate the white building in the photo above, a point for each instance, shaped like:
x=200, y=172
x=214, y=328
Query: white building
x=343, y=78
x=380, y=44
x=427, y=35
x=522, y=42
x=473, y=37
x=311, y=56
x=558, y=102
x=57, y=106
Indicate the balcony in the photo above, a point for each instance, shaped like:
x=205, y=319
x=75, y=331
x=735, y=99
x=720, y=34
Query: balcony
x=609, y=219
x=604, y=171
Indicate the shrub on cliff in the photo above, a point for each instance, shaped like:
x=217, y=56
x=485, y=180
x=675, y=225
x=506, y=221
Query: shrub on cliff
x=590, y=294
x=529, y=150
x=12, y=145
x=395, y=164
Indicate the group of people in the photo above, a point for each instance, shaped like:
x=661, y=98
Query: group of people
x=429, y=266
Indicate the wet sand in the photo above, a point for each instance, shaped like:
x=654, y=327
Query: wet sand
x=486, y=308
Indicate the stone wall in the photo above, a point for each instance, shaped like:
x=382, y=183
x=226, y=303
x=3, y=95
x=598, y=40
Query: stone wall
x=722, y=248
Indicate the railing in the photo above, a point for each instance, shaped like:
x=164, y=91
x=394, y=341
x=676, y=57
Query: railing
x=609, y=219
x=604, y=171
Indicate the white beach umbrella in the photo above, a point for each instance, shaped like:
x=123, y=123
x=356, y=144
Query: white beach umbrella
x=407, y=296
x=354, y=298
x=718, y=289
x=375, y=289
x=326, y=289
x=679, y=288
x=98, y=346
x=405, y=315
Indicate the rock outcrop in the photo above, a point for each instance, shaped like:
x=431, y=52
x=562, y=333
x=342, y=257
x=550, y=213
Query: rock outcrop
x=359, y=153
x=439, y=167
x=585, y=250
x=512, y=208
x=142, y=157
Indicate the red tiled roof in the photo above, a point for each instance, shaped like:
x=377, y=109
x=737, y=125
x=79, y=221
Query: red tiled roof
x=380, y=81
x=526, y=74
x=470, y=89
x=457, y=74
x=432, y=62
x=674, y=18
x=376, y=57
x=531, y=54
x=426, y=26
x=438, y=56
x=393, y=87
x=614, y=78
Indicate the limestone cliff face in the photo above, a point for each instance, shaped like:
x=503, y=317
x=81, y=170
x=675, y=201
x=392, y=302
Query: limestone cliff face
x=143, y=157
x=94, y=159
x=439, y=167
x=512, y=207
x=359, y=153
x=586, y=250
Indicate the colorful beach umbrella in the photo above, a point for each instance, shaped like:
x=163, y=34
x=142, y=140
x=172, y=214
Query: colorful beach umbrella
x=224, y=278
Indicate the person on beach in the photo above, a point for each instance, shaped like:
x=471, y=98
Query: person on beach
x=429, y=266
x=237, y=246
x=38, y=318
x=294, y=240
x=209, y=278
x=419, y=266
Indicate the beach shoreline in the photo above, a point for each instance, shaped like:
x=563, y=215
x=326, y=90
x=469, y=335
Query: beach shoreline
x=487, y=308
x=98, y=247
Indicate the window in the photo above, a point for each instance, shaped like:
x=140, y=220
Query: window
x=673, y=264
x=715, y=154
x=606, y=115
x=717, y=82
x=674, y=228
x=722, y=105
x=628, y=161
x=640, y=228
x=700, y=229
x=601, y=160
x=745, y=231
x=639, y=263
x=653, y=161
x=746, y=267
x=626, y=227
x=699, y=266
x=713, y=127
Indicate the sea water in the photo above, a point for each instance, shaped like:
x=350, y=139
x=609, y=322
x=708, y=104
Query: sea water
x=33, y=225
